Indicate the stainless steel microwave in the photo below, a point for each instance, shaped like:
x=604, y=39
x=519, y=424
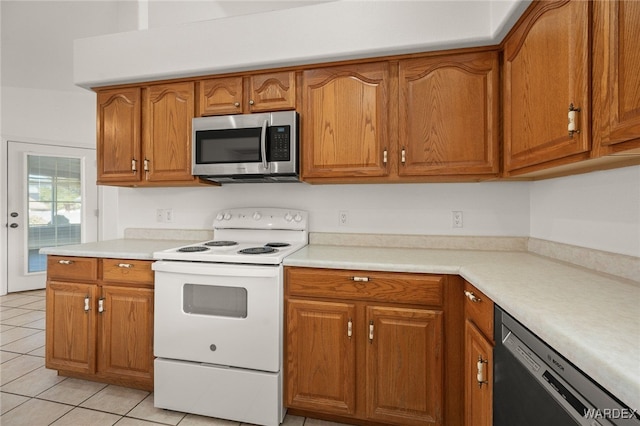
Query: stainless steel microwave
x=246, y=147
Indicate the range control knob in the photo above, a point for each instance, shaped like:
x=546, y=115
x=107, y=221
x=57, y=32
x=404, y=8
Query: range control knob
x=227, y=216
x=220, y=216
x=297, y=217
x=288, y=217
x=257, y=216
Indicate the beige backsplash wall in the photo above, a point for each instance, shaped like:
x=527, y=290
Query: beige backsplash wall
x=599, y=210
x=490, y=209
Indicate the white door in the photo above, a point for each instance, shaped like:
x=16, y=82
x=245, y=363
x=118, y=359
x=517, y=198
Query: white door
x=51, y=200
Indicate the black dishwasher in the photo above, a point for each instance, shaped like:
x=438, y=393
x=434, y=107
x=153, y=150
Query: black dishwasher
x=534, y=385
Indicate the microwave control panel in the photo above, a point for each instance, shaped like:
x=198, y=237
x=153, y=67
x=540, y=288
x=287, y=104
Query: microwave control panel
x=279, y=143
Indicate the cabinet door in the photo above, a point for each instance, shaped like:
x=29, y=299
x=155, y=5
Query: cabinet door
x=478, y=396
x=616, y=80
x=125, y=346
x=272, y=92
x=404, y=365
x=320, y=356
x=448, y=115
x=71, y=327
x=219, y=96
x=546, y=69
x=345, y=121
x=119, y=146
x=169, y=109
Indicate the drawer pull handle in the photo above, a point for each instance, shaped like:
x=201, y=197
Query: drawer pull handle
x=472, y=297
x=350, y=328
x=125, y=265
x=86, y=304
x=360, y=279
x=371, y=332
x=101, y=305
x=65, y=262
x=480, y=377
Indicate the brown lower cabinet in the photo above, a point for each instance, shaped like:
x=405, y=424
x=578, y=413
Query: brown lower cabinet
x=478, y=355
x=99, y=319
x=370, y=347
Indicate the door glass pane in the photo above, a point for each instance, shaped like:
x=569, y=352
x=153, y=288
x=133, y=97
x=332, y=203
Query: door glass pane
x=54, y=205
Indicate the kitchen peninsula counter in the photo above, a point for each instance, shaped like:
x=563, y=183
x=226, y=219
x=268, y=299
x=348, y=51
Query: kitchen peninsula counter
x=592, y=319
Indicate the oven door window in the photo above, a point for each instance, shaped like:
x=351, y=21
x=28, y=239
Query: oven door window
x=228, y=146
x=218, y=301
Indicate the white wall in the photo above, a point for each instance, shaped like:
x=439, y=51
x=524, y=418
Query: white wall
x=599, y=210
x=498, y=208
x=311, y=34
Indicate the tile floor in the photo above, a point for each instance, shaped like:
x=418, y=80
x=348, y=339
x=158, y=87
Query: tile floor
x=31, y=395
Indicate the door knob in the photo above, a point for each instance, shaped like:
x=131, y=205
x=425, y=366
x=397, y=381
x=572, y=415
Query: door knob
x=13, y=225
x=14, y=214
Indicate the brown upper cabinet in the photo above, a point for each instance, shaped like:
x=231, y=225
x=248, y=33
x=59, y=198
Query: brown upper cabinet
x=144, y=135
x=345, y=122
x=253, y=93
x=169, y=109
x=447, y=112
x=119, y=136
x=449, y=115
x=546, y=72
x=616, y=76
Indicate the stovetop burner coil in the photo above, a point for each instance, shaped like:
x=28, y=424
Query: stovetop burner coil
x=258, y=250
x=277, y=245
x=192, y=249
x=221, y=243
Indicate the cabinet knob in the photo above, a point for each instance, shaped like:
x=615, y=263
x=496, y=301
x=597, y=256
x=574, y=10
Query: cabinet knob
x=13, y=225
x=237, y=104
x=251, y=102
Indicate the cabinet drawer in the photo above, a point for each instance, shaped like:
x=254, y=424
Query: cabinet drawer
x=366, y=285
x=127, y=270
x=72, y=268
x=478, y=308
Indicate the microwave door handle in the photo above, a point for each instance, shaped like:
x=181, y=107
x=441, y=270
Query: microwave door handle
x=263, y=144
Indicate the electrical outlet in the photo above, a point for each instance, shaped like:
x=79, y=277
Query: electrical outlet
x=456, y=217
x=164, y=215
x=343, y=218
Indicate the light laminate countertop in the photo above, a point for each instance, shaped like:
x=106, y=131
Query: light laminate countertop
x=127, y=248
x=592, y=319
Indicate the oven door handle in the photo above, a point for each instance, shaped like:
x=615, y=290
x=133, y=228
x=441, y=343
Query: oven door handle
x=263, y=144
x=216, y=269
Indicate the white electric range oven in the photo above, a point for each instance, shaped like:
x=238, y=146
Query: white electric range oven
x=218, y=317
